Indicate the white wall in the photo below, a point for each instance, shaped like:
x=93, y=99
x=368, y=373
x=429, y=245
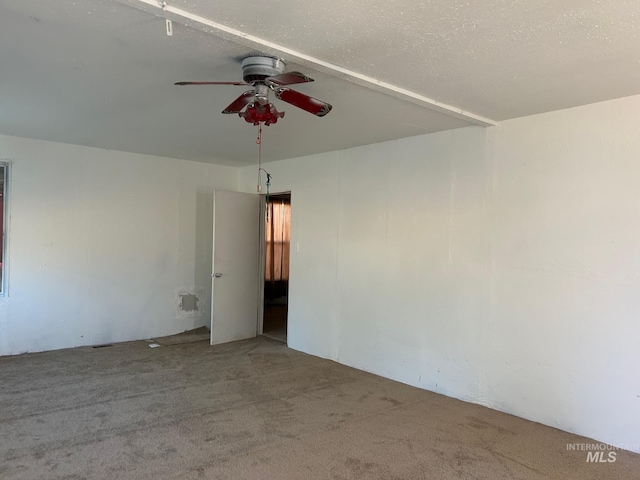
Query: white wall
x=498, y=266
x=565, y=243
x=102, y=244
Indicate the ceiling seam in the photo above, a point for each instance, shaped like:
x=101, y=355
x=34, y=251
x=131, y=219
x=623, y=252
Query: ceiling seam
x=161, y=9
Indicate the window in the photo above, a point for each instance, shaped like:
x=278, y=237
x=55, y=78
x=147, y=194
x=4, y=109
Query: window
x=4, y=174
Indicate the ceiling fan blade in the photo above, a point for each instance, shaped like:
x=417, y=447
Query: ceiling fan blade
x=239, y=103
x=211, y=83
x=305, y=102
x=288, y=78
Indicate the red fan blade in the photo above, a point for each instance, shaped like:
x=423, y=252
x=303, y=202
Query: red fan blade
x=239, y=103
x=300, y=100
x=210, y=83
x=289, y=78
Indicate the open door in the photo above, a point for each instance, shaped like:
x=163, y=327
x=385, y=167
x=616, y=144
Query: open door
x=234, y=295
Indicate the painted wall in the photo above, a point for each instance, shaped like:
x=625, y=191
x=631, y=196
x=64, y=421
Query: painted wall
x=499, y=266
x=565, y=242
x=102, y=244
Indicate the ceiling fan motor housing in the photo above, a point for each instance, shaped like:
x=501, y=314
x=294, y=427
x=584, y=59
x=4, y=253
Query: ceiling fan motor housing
x=257, y=68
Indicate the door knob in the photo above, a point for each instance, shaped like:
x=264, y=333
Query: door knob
x=217, y=275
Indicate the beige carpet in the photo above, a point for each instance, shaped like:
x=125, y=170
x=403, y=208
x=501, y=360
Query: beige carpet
x=257, y=410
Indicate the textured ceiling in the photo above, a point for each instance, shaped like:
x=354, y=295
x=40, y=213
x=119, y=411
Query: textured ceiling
x=101, y=72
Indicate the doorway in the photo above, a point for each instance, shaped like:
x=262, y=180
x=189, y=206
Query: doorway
x=277, y=249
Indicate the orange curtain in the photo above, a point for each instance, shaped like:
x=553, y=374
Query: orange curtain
x=278, y=235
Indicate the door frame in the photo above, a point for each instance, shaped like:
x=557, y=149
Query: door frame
x=262, y=254
x=262, y=259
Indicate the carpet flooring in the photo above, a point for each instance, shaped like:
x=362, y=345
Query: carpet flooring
x=257, y=410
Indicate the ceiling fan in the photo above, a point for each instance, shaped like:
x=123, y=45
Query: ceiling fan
x=265, y=74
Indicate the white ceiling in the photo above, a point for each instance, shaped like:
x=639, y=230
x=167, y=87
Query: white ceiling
x=101, y=72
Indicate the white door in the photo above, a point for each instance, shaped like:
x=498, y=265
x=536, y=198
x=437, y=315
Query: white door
x=234, y=296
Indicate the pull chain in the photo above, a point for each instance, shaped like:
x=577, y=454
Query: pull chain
x=260, y=170
x=259, y=142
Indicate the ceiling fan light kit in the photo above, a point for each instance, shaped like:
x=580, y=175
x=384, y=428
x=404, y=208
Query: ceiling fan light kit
x=256, y=114
x=267, y=74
